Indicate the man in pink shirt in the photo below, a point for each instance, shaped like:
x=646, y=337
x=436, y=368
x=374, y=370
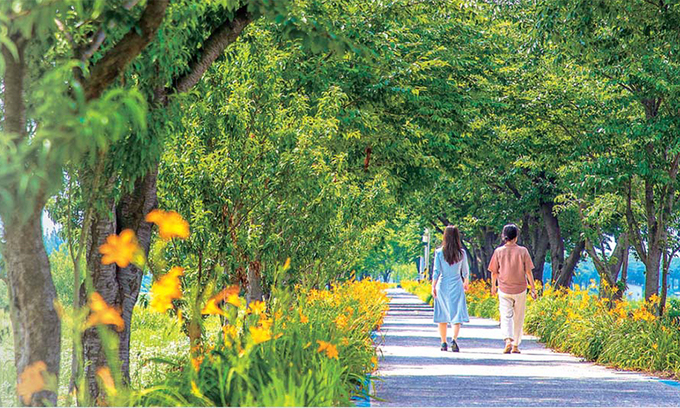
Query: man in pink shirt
x=511, y=266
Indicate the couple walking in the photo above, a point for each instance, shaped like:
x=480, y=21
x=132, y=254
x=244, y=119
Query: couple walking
x=510, y=266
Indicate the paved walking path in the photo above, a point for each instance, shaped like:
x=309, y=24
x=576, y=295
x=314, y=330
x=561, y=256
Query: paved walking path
x=416, y=373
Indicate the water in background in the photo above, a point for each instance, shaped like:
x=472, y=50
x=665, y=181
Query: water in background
x=585, y=272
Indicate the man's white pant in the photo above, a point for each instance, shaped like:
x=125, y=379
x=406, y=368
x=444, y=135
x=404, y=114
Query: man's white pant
x=512, y=309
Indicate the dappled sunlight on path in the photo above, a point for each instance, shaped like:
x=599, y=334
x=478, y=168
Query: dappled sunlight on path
x=415, y=372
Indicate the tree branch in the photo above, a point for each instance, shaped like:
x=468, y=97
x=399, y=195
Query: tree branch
x=214, y=46
x=634, y=228
x=100, y=35
x=14, y=114
x=105, y=71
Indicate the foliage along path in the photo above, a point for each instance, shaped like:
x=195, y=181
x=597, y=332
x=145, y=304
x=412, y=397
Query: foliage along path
x=415, y=372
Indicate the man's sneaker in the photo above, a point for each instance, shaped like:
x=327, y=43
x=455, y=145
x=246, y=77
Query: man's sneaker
x=507, y=349
x=444, y=347
x=515, y=350
x=454, y=346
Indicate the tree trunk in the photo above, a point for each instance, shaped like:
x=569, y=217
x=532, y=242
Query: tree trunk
x=131, y=213
x=475, y=271
x=664, y=283
x=35, y=323
x=555, y=240
x=119, y=287
x=535, y=238
x=609, y=269
x=538, y=257
x=567, y=273
x=489, y=239
x=105, y=283
x=624, y=270
x=652, y=266
x=254, y=287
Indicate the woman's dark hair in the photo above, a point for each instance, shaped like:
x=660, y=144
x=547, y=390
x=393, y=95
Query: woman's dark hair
x=451, y=246
x=510, y=232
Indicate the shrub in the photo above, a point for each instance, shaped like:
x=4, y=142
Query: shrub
x=422, y=289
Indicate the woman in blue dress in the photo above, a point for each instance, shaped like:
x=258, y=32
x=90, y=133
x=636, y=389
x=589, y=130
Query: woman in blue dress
x=449, y=284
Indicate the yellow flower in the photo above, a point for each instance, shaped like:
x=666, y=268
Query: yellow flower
x=166, y=289
x=266, y=323
x=286, y=265
x=234, y=300
x=257, y=307
x=374, y=362
x=104, y=374
x=212, y=307
x=643, y=314
x=170, y=224
x=331, y=350
x=260, y=334
x=341, y=321
x=195, y=390
x=655, y=346
x=230, y=332
x=31, y=380
x=278, y=315
x=102, y=313
x=121, y=249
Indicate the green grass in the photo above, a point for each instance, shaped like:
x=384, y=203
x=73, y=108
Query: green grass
x=153, y=336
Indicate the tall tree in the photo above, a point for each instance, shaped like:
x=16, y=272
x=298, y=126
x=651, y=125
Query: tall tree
x=634, y=45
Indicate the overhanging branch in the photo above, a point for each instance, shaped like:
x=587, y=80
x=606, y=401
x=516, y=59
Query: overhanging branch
x=107, y=69
x=214, y=46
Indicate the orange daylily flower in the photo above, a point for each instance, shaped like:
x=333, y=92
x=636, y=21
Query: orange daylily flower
x=212, y=307
x=31, y=381
x=303, y=319
x=121, y=249
x=374, y=362
x=166, y=289
x=196, y=362
x=102, y=313
x=170, y=224
x=104, y=374
x=331, y=350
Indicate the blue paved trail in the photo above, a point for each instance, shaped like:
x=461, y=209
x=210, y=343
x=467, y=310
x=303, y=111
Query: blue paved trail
x=416, y=373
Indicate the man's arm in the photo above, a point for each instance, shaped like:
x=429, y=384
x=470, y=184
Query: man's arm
x=494, y=269
x=529, y=267
x=530, y=278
